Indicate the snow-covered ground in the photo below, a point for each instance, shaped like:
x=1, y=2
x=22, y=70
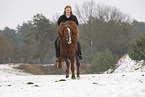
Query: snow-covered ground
x=125, y=64
x=14, y=83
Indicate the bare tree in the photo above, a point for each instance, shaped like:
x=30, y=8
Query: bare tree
x=104, y=26
x=86, y=12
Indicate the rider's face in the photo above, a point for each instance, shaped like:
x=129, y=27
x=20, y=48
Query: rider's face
x=68, y=11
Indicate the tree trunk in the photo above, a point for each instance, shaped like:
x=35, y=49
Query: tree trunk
x=4, y=60
x=21, y=59
x=9, y=59
x=41, y=54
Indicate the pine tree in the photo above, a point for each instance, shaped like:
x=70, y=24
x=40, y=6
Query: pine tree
x=137, y=51
x=6, y=49
x=42, y=33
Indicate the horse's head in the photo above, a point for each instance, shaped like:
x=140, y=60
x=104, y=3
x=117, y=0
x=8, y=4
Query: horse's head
x=68, y=35
x=68, y=30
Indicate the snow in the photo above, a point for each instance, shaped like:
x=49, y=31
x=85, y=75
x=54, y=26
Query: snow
x=128, y=65
x=125, y=64
x=13, y=83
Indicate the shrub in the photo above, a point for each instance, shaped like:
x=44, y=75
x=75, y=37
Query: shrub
x=103, y=61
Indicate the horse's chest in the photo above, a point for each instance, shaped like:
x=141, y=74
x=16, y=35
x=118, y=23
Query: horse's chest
x=68, y=50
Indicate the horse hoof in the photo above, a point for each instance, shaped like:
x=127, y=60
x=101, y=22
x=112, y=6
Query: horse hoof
x=67, y=76
x=73, y=77
x=78, y=77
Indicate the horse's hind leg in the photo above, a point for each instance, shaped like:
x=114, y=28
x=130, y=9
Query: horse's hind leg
x=72, y=69
x=67, y=69
x=78, y=67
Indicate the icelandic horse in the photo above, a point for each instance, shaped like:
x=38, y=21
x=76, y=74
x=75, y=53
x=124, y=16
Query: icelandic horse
x=68, y=34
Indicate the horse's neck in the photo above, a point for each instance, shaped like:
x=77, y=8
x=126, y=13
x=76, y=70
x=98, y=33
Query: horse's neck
x=64, y=43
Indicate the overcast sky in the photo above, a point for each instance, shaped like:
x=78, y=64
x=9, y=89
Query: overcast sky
x=14, y=12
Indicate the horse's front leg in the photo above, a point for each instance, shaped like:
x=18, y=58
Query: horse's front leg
x=67, y=69
x=60, y=60
x=78, y=67
x=72, y=68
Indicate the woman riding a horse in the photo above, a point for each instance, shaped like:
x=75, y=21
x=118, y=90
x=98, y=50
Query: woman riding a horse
x=67, y=16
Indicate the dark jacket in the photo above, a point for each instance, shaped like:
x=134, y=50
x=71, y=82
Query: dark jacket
x=63, y=18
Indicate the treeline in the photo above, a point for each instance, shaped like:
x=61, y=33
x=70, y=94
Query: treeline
x=105, y=35
x=30, y=43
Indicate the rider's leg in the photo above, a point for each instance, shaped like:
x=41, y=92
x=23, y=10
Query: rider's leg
x=79, y=51
x=57, y=47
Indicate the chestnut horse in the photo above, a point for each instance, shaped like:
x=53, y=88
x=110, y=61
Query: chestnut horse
x=68, y=35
